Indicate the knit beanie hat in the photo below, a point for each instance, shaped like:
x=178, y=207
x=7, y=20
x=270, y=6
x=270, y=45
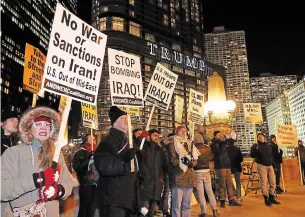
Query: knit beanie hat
x=115, y=113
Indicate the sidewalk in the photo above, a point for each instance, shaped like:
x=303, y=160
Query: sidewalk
x=293, y=204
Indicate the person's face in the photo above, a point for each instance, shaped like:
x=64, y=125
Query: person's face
x=300, y=142
x=91, y=139
x=41, y=130
x=273, y=140
x=122, y=123
x=182, y=132
x=154, y=137
x=138, y=133
x=219, y=136
x=261, y=138
x=10, y=125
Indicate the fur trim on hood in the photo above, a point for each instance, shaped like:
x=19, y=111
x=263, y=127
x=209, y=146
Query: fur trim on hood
x=28, y=117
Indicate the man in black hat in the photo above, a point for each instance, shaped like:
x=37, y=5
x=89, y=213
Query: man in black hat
x=117, y=193
x=222, y=167
x=9, y=128
x=277, y=154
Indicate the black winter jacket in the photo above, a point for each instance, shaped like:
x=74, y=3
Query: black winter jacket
x=262, y=152
x=117, y=185
x=221, y=158
x=152, y=169
x=277, y=156
x=80, y=163
x=236, y=158
x=7, y=141
x=205, y=157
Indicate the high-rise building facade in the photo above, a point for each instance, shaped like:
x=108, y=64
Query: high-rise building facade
x=24, y=22
x=277, y=110
x=165, y=31
x=228, y=48
x=266, y=88
x=296, y=98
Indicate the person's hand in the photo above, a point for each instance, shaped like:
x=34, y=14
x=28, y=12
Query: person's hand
x=144, y=134
x=47, y=177
x=186, y=161
x=51, y=192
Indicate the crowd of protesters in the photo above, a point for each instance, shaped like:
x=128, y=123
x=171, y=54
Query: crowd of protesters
x=123, y=179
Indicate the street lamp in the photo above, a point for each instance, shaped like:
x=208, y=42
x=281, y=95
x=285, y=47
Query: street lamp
x=218, y=110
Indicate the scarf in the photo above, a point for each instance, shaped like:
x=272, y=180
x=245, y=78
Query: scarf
x=179, y=148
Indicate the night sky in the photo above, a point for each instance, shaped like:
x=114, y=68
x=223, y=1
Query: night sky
x=275, y=33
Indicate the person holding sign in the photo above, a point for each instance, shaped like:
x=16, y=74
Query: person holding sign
x=112, y=159
x=262, y=152
x=301, y=149
x=32, y=185
x=277, y=154
x=183, y=157
x=88, y=192
x=152, y=168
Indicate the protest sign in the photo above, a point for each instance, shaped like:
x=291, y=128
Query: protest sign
x=126, y=85
x=62, y=104
x=253, y=113
x=161, y=87
x=34, y=62
x=75, y=58
x=179, y=107
x=90, y=117
x=196, y=107
x=286, y=135
x=133, y=111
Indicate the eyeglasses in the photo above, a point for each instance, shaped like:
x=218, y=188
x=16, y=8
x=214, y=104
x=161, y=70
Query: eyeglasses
x=41, y=124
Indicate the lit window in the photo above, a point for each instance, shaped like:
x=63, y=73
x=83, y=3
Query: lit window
x=150, y=37
x=103, y=23
x=131, y=2
x=165, y=20
x=131, y=13
x=147, y=68
x=135, y=29
x=118, y=23
x=20, y=89
x=105, y=9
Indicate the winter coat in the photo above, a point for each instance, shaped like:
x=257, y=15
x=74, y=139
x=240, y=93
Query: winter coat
x=221, y=158
x=7, y=141
x=205, y=157
x=80, y=164
x=117, y=183
x=18, y=164
x=179, y=179
x=300, y=148
x=262, y=152
x=235, y=155
x=152, y=166
x=277, y=156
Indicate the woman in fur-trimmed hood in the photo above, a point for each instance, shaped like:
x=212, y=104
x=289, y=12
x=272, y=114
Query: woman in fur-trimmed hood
x=31, y=185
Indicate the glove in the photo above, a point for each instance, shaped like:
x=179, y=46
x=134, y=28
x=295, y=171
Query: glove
x=51, y=192
x=144, y=134
x=128, y=155
x=186, y=161
x=47, y=177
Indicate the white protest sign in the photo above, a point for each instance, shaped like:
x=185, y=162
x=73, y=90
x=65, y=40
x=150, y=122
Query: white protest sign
x=126, y=85
x=161, y=87
x=75, y=58
x=253, y=113
x=196, y=107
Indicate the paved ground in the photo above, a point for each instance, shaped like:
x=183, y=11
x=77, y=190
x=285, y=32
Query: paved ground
x=293, y=204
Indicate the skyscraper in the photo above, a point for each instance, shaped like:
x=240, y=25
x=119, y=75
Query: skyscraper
x=266, y=88
x=165, y=31
x=24, y=22
x=228, y=48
